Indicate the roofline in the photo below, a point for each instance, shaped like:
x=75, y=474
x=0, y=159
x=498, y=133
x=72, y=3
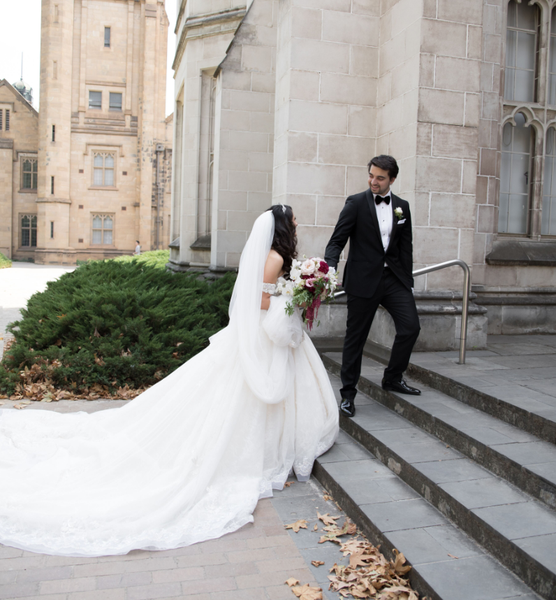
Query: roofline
x=19, y=96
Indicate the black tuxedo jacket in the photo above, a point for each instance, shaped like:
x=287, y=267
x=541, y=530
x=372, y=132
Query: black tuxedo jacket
x=358, y=222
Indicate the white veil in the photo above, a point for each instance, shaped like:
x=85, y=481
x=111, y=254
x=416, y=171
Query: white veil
x=264, y=374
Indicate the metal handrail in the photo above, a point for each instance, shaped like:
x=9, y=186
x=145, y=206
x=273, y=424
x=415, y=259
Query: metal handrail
x=465, y=303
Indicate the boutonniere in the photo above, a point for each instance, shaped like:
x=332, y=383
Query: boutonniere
x=398, y=212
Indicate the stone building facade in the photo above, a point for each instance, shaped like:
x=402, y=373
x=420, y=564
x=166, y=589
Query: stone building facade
x=286, y=101
x=19, y=123
x=103, y=145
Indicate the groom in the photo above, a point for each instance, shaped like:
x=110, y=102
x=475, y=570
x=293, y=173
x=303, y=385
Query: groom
x=378, y=271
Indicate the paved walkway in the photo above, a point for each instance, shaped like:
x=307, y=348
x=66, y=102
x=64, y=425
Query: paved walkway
x=250, y=564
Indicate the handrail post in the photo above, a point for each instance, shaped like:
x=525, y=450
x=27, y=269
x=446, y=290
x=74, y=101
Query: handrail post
x=465, y=302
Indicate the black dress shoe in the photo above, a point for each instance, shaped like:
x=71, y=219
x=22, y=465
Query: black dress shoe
x=401, y=387
x=347, y=407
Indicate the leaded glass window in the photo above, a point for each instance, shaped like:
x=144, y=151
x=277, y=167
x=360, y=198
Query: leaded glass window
x=103, y=169
x=29, y=173
x=548, y=224
x=521, y=52
x=515, y=176
x=28, y=231
x=103, y=227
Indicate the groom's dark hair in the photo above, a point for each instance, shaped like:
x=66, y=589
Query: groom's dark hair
x=388, y=163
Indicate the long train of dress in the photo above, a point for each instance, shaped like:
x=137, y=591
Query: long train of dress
x=184, y=462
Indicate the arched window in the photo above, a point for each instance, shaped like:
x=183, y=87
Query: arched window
x=515, y=176
x=548, y=225
x=521, y=51
x=552, y=61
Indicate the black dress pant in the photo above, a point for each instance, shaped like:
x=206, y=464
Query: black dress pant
x=399, y=302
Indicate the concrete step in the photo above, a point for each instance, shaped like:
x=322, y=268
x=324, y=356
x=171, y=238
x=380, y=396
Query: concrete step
x=513, y=527
x=516, y=455
x=527, y=408
x=446, y=563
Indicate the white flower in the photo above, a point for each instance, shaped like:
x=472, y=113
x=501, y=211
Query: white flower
x=295, y=273
x=288, y=288
x=308, y=267
x=398, y=212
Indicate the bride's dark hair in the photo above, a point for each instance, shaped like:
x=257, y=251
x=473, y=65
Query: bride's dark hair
x=285, y=239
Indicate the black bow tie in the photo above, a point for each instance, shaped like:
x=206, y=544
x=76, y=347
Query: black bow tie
x=379, y=199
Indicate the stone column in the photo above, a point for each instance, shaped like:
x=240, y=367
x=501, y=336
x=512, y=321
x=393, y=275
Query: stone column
x=53, y=193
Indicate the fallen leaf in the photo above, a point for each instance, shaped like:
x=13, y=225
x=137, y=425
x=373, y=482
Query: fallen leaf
x=288, y=483
x=399, y=563
x=327, y=519
x=292, y=581
x=359, y=559
x=306, y=592
x=327, y=497
x=317, y=563
x=301, y=524
x=452, y=556
x=315, y=528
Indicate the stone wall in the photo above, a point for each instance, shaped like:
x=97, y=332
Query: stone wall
x=244, y=144
x=205, y=31
x=325, y=110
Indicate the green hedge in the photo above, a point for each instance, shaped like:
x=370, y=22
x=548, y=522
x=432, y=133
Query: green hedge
x=115, y=323
x=5, y=262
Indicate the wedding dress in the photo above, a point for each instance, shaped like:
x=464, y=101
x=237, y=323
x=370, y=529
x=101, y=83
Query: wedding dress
x=188, y=459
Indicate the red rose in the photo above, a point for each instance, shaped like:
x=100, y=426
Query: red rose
x=323, y=268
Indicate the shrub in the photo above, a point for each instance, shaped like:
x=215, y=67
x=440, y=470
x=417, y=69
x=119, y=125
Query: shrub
x=111, y=324
x=5, y=262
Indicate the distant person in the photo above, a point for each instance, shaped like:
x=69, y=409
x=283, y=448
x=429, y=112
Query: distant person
x=137, y=248
x=378, y=272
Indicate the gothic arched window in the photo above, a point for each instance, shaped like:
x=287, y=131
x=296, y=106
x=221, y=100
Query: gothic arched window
x=548, y=224
x=522, y=37
x=515, y=176
x=552, y=62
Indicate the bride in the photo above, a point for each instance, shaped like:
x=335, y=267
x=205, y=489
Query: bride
x=188, y=459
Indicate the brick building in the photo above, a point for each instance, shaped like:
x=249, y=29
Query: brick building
x=102, y=144
x=287, y=101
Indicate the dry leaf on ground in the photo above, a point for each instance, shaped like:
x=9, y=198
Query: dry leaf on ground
x=306, y=592
x=369, y=574
x=292, y=581
x=327, y=519
x=317, y=563
x=288, y=483
x=301, y=524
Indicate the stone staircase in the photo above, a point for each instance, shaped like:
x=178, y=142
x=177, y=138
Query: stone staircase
x=461, y=479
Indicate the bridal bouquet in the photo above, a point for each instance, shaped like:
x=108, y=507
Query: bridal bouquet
x=311, y=283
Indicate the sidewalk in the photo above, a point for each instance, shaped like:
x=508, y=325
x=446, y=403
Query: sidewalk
x=250, y=564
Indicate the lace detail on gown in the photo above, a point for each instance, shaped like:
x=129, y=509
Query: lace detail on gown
x=270, y=288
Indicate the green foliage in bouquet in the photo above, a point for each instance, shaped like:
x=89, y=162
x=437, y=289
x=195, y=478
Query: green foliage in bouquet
x=115, y=323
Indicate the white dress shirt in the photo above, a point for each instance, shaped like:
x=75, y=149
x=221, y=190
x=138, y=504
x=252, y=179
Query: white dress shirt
x=385, y=220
